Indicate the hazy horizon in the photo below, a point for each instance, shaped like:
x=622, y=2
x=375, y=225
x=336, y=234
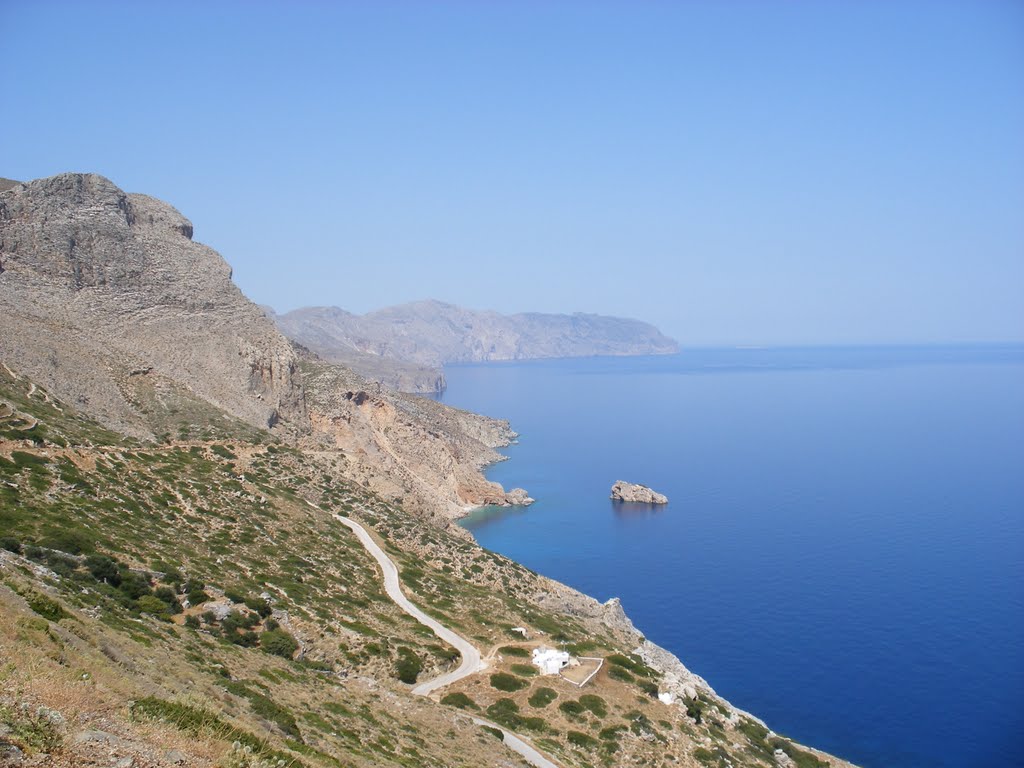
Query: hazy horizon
x=751, y=173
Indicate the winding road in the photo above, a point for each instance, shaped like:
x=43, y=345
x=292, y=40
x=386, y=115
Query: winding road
x=471, y=659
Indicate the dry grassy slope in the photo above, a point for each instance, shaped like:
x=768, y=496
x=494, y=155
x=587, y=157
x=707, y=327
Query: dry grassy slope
x=231, y=515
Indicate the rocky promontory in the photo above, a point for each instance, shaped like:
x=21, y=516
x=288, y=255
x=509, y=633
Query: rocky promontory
x=638, y=494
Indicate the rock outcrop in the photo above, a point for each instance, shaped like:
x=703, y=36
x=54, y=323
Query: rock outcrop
x=430, y=334
x=638, y=494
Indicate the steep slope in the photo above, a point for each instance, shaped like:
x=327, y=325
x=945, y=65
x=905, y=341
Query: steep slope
x=109, y=303
x=163, y=602
x=432, y=333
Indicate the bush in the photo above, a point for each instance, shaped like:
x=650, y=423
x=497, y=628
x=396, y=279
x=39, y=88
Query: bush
x=153, y=605
x=279, y=643
x=506, y=682
x=572, y=708
x=260, y=605
x=514, y=650
x=408, y=666
x=45, y=607
x=542, y=697
x=595, y=704
x=582, y=740
x=524, y=670
x=11, y=544
x=31, y=728
x=167, y=595
x=460, y=700
x=495, y=732
x=651, y=689
x=233, y=596
x=618, y=673
x=197, y=597
x=104, y=568
x=192, y=622
x=134, y=585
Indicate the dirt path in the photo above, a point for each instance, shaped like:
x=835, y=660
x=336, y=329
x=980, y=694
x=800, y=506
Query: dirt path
x=471, y=660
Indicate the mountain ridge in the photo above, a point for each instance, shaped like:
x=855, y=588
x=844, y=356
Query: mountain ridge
x=430, y=333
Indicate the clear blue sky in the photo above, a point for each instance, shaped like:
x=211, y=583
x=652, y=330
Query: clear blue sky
x=798, y=171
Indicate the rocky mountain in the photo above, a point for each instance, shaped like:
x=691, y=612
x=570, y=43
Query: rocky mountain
x=431, y=333
x=110, y=304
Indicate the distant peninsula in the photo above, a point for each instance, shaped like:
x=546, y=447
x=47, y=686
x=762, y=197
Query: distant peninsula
x=405, y=346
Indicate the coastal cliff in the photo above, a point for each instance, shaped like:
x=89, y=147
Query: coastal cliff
x=178, y=586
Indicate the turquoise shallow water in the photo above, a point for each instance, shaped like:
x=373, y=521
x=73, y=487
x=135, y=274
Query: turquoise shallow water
x=843, y=551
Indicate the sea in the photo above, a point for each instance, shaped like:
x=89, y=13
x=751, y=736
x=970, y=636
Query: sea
x=842, y=553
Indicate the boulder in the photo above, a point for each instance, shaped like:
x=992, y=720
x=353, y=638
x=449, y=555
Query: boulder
x=639, y=494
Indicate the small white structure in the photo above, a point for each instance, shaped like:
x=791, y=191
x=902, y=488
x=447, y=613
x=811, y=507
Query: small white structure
x=549, y=660
x=521, y=631
x=667, y=697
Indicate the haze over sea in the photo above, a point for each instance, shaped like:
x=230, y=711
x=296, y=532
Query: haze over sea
x=843, y=551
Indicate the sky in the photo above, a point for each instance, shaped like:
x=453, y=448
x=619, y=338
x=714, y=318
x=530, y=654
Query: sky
x=763, y=172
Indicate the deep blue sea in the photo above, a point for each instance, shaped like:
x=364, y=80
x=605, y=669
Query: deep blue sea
x=843, y=551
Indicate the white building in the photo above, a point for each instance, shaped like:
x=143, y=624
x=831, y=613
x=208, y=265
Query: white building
x=549, y=660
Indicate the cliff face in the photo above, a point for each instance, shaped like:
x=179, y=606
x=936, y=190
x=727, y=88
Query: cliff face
x=432, y=333
x=109, y=303
x=102, y=290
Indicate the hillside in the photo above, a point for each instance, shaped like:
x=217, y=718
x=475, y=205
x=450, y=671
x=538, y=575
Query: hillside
x=163, y=602
x=179, y=584
x=431, y=334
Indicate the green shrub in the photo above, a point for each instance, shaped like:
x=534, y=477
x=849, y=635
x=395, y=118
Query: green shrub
x=198, y=597
x=582, y=740
x=542, y=697
x=167, y=595
x=460, y=700
x=408, y=666
x=223, y=452
x=192, y=622
x=233, y=596
x=203, y=722
x=260, y=605
x=153, y=605
x=524, y=670
x=514, y=650
x=632, y=663
x=651, y=689
x=506, y=682
x=572, y=708
x=33, y=729
x=695, y=710
x=618, y=673
x=595, y=704
x=11, y=544
x=49, y=609
x=279, y=643
x=104, y=568
x=134, y=585
x=495, y=732
x=800, y=757
x=275, y=713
